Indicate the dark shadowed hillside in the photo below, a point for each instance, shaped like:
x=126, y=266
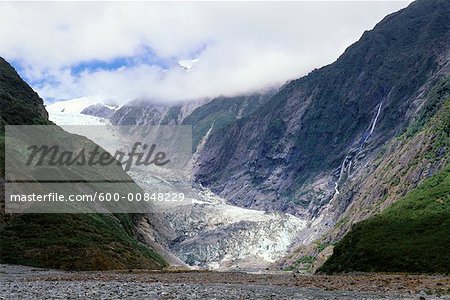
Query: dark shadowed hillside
x=66, y=241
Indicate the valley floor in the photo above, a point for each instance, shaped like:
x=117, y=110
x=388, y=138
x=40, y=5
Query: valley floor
x=20, y=282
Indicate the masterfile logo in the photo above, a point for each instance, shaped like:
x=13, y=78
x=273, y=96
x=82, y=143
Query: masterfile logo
x=96, y=168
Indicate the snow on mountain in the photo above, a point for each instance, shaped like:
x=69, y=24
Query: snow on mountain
x=61, y=119
x=204, y=231
x=187, y=65
x=74, y=105
x=68, y=112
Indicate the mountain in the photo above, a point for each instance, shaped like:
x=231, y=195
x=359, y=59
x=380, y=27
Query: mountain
x=205, y=116
x=147, y=112
x=93, y=106
x=220, y=112
x=343, y=143
x=349, y=163
x=298, y=149
x=401, y=165
x=74, y=105
x=99, y=110
x=412, y=235
x=65, y=241
x=208, y=233
x=81, y=111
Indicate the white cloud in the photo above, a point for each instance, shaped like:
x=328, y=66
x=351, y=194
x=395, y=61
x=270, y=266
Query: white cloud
x=244, y=46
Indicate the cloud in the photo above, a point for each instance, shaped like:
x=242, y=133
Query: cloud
x=127, y=50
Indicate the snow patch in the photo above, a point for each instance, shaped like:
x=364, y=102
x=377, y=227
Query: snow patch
x=63, y=118
x=74, y=106
x=187, y=65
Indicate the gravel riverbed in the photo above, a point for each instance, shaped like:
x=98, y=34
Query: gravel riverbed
x=20, y=282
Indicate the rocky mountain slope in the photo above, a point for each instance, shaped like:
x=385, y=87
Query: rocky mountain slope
x=205, y=116
x=209, y=233
x=147, y=112
x=221, y=112
x=411, y=235
x=345, y=142
x=66, y=241
x=415, y=228
x=400, y=166
x=296, y=152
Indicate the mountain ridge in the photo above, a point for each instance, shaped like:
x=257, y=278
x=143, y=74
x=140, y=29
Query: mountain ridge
x=297, y=139
x=64, y=241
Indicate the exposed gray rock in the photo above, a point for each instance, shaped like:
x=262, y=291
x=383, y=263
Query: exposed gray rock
x=99, y=110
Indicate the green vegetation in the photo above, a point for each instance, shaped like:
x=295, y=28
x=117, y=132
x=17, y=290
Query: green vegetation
x=317, y=119
x=73, y=242
x=220, y=113
x=65, y=241
x=412, y=235
x=302, y=260
x=435, y=99
x=321, y=246
x=19, y=103
x=172, y=115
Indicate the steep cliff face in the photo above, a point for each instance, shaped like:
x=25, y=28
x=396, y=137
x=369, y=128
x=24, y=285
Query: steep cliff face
x=220, y=113
x=411, y=235
x=401, y=164
x=296, y=152
x=414, y=230
x=398, y=168
x=66, y=241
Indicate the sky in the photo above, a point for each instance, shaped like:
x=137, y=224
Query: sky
x=122, y=51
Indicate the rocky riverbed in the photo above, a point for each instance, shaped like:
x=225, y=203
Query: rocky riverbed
x=20, y=282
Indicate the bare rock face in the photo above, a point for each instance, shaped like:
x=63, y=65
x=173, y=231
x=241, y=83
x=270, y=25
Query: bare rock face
x=397, y=168
x=99, y=110
x=139, y=113
x=333, y=120
x=147, y=112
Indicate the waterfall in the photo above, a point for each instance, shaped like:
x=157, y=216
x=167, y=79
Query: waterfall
x=341, y=173
x=336, y=191
x=376, y=118
x=347, y=168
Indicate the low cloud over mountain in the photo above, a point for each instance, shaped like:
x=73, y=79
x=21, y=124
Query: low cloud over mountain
x=104, y=49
